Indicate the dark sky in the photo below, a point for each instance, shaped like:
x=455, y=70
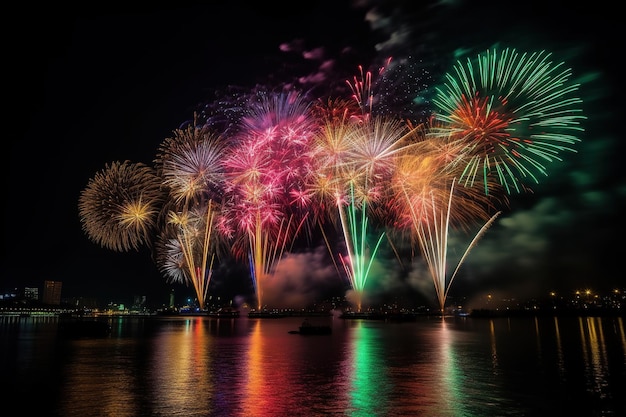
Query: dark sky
x=88, y=87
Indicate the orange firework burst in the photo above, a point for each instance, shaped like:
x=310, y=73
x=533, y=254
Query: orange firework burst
x=119, y=206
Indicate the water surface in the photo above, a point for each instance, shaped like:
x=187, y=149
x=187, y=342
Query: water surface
x=201, y=366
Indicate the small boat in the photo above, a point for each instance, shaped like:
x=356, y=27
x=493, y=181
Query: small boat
x=306, y=328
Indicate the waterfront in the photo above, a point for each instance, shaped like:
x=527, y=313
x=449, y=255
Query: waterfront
x=206, y=366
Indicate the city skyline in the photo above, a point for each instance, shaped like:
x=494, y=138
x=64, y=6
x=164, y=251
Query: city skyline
x=581, y=301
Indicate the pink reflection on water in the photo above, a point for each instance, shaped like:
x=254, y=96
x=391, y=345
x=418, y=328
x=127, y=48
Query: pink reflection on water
x=266, y=390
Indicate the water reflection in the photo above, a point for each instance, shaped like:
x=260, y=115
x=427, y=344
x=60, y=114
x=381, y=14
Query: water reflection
x=396, y=369
x=182, y=362
x=30, y=342
x=468, y=379
x=559, y=349
x=453, y=380
x=94, y=364
x=273, y=382
x=257, y=401
x=538, y=338
x=594, y=354
x=199, y=366
x=368, y=390
x=494, y=350
x=618, y=328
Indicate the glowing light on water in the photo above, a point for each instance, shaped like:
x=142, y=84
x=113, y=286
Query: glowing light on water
x=369, y=386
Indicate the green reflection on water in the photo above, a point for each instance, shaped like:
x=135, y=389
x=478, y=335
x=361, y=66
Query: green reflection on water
x=370, y=386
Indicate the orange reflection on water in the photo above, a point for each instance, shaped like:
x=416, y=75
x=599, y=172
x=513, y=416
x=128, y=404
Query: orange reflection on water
x=255, y=397
x=622, y=334
x=594, y=353
x=559, y=348
x=494, y=350
x=182, y=378
x=538, y=338
x=114, y=396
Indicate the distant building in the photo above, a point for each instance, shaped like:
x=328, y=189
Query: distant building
x=139, y=303
x=31, y=293
x=52, y=292
x=9, y=295
x=82, y=303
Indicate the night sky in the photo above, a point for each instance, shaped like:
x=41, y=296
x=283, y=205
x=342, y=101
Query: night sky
x=88, y=87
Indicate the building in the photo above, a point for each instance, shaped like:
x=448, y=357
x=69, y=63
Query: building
x=52, y=292
x=31, y=293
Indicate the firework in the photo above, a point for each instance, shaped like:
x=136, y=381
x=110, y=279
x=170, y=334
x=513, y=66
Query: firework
x=192, y=172
x=281, y=166
x=190, y=164
x=189, y=256
x=266, y=173
x=355, y=159
x=392, y=89
x=516, y=112
x=356, y=154
x=119, y=206
x=429, y=203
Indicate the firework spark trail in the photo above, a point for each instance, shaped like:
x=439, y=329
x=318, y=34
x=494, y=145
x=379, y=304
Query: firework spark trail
x=373, y=145
x=360, y=255
x=363, y=89
x=511, y=115
x=433, y=237
x=185, y=258
x=427, y=202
